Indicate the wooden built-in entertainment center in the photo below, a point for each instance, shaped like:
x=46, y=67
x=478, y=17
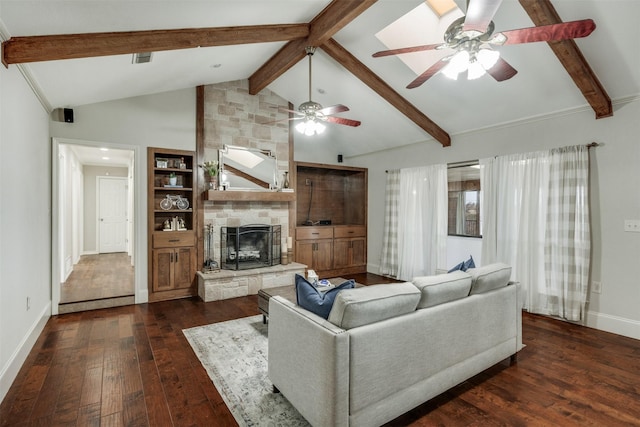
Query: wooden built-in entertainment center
x=331, y=218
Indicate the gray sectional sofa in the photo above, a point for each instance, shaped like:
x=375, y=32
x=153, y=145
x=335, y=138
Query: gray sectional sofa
x=386, y=349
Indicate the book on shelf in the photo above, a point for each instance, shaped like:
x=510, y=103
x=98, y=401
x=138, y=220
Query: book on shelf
x=172, y=186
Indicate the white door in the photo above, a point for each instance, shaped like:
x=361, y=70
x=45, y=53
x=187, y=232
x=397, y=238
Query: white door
x=112, y=214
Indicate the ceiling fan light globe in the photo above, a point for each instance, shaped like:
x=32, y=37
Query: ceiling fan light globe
x=488, y=58
x=475, y=70
x=458, y=64
x=319, y=128
x=300, y=127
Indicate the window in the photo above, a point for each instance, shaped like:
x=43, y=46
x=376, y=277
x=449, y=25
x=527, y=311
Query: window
x=464, y=200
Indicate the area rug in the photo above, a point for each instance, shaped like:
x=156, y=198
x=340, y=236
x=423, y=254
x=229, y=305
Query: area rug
x=234, y=353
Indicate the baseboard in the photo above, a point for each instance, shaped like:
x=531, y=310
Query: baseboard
x=614, y=324
x=15, y=362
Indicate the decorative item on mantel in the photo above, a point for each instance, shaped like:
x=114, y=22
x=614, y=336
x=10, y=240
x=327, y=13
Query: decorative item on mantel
x=211, y=169
x=285, y=181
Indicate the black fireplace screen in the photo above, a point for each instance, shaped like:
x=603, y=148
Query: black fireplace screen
x=249, y=246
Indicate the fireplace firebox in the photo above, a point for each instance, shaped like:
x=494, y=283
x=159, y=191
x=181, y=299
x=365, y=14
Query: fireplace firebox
x=249, y=246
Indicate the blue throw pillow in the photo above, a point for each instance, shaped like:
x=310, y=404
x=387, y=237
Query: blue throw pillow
x=464, y=265
x=457, y=267
x=320, y=303
x=468, y=264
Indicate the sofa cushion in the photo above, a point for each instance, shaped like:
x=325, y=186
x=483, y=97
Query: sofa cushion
x=489, y=277
x=442, y=288
x=369, y=304
x=320, y=303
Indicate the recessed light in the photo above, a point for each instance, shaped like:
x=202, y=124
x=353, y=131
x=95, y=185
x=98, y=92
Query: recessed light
x=104, y=149
x=105, y=158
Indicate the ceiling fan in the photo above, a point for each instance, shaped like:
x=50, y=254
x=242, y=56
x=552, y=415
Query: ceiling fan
x=472, y=38
x=313, y=114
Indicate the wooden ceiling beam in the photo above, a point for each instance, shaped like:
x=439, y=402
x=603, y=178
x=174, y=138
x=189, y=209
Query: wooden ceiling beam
x=18, y=50
x=542, y=12
x=328, y=22
x=368, y=77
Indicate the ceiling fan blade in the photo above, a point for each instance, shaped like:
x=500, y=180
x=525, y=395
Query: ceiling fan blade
x=479, y=14
x=342, y=121
x=407, y=50
x=502, y=70
x=282, y=121
x=338, y=108
x=427, y=74
x=286, y=110
x=546, y=33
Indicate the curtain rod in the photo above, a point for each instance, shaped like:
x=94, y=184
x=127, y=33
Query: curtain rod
x=475, y=162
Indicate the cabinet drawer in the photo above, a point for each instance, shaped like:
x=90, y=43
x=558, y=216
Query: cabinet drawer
x=308, y=233
x=168, y=239
x=350, y=231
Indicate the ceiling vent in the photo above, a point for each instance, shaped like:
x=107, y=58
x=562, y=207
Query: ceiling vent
x=141, y=58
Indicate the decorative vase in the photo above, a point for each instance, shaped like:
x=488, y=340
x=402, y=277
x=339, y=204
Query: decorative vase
x=173, y=180
x=285, y=181
x=213, y=182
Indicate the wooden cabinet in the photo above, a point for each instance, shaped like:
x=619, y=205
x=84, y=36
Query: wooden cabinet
x=171, y=223
x=314, y=247
x=173, y=268
x=332, y=251
x=349, y=247
x=331, y=214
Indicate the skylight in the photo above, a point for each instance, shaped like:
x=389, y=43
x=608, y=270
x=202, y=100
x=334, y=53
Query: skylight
x=425, y=24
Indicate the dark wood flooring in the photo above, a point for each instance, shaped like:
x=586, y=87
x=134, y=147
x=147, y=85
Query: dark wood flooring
x=132, y=366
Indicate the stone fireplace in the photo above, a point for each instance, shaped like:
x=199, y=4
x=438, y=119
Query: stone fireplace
x=250, y=246
x=233, y=116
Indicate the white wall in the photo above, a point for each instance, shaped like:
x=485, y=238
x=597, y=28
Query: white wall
x=165, y=120
x=615, y=194
x=25, y=222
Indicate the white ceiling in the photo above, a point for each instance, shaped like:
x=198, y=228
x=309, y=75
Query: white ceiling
x=540, y=88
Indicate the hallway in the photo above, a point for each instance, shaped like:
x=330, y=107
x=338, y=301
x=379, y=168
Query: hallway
x=98, y=281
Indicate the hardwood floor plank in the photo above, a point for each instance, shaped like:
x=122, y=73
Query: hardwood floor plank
x=133, y=366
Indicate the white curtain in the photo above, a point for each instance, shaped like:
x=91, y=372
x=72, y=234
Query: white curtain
x=522, y=226
x=422, y=221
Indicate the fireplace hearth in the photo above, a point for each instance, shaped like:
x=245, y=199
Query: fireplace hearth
x=250, y=246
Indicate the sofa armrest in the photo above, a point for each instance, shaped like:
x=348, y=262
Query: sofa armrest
x=309, y=363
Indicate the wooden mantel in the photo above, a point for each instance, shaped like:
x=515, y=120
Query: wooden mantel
x=249, y=196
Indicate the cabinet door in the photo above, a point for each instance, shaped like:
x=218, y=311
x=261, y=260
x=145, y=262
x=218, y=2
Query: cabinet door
x=323, y=255
x=358, y=251
x=304, y=253
x=183, y=261
x=162, y=269
x=349, y=252
x=341, y=253
x=316, y=254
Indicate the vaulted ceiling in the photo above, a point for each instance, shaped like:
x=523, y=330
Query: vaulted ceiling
x=78, y=53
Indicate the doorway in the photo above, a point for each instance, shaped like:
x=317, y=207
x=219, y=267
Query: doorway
x=94, y=226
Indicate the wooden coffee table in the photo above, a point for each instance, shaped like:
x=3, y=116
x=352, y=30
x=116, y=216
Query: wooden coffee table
x=286, y=292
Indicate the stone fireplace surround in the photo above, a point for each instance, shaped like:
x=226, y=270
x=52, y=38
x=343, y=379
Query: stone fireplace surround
x=233, y=116
x=225, y=284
